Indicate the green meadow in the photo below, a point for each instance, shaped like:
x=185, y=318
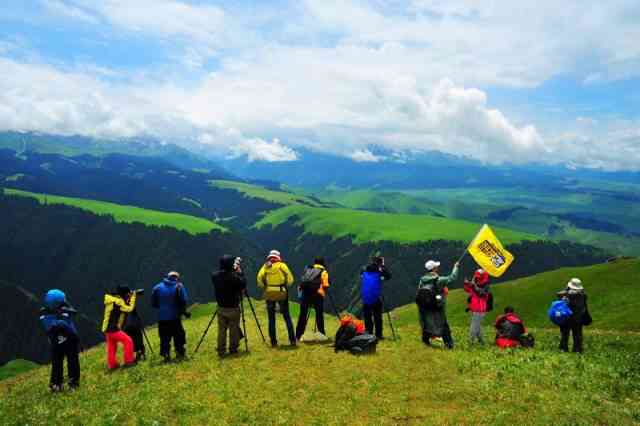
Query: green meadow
x=127, y=214
x=364, y=226
x=256, y=191
x=404, y=382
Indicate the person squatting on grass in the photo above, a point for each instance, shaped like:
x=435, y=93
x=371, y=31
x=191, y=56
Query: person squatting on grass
x=274, y=278
x=116, y=308
x=371, y=278
x=313, y=285
x=431, y=301
x=170, y=298
x=509, y=329
x=230, y=284
x=478, y=289
x=56, y=320
x=576, y=298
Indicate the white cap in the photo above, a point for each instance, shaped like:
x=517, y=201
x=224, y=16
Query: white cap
x=274, y=254
x=173, y=274
x=575, y=284
x=431, y=265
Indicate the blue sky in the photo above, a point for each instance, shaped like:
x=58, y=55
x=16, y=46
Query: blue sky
x=491, y=80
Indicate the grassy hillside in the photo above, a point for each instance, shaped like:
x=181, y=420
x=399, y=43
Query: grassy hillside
x=404, y=383
x=16, y=367
x=613, y=290
x=390, y=202
x=366, y=226
x=256, y=191
x=128, y=214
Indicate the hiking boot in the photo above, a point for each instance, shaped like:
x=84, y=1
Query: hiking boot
x=74, y=385
x=166, y=359
x=55, y=388
x=181, y=357
x=274, y=344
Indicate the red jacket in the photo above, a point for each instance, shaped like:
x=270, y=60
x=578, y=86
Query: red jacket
x=506, y=342
x=477, y=302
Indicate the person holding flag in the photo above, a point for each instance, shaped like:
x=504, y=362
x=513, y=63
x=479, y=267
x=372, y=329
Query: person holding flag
x=431, y=300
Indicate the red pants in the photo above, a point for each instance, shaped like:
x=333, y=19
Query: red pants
x=112, y=347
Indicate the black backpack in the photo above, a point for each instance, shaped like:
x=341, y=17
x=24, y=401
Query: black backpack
x=426, y=297
x=358, y=344
x=311, y=279
x=510, y=330
x=527, y=340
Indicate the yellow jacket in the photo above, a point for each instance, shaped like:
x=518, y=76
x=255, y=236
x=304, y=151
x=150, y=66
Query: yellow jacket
x=324, y=279
x=115, y=312
x=274, y=278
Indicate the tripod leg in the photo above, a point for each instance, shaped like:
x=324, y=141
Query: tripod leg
x=253, y=311
x=244, y=325
x=206, y=331
x=144, y=333
x=335, y=310
x=393, y=331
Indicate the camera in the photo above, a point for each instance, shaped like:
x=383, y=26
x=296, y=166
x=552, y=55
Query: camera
x=139, y=291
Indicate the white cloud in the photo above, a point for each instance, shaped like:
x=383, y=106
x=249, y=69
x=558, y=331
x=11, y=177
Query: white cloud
x=365, y=156
x=335, y=76
x=70, y=11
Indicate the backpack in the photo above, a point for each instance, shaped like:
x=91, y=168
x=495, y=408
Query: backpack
x=527, y=340
x=345, y=333
x=427, y=297
x=347, y=339
x=510, y=330
x=311, y=280
x=559, y=312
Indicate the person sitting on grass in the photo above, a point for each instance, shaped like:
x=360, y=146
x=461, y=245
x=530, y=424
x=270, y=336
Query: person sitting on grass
x=510, y=330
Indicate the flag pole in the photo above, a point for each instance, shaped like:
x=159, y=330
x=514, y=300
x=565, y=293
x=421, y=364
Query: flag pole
x=471, y=242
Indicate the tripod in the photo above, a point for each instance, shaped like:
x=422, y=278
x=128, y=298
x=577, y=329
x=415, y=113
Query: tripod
x=393, y=331
x=255, y=317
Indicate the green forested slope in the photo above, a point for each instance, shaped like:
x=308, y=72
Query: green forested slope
x=128, y=214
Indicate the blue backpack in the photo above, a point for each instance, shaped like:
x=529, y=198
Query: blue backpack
x=559, y=312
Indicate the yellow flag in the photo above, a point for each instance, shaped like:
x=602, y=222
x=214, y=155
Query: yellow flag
x=489, y=253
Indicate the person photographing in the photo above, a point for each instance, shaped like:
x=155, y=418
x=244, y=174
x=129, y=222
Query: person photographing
x=117, y=306
x=371, y=279
x=230, y=285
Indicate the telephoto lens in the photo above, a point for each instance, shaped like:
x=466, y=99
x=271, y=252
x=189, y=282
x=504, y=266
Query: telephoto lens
x=139, y=291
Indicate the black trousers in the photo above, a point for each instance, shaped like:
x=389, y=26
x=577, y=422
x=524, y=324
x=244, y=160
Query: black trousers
x=284, y=310
x=573, y=327
x=68, y=349
x=168, y=330
x=136, y=335
x=373, y=318
x=317, y=302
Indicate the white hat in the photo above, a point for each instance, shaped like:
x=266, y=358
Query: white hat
x=431, y=265
x=575, y=284
x=173, y=274
x=274, y=254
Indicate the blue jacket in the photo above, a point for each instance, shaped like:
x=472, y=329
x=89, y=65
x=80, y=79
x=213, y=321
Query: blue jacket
x=57, y=324
x=169, y=300
x=371, y=283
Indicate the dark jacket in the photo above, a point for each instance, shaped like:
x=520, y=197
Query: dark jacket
x=57, y=323
x=577, y=301
x=228, y=284
x=371, y=279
